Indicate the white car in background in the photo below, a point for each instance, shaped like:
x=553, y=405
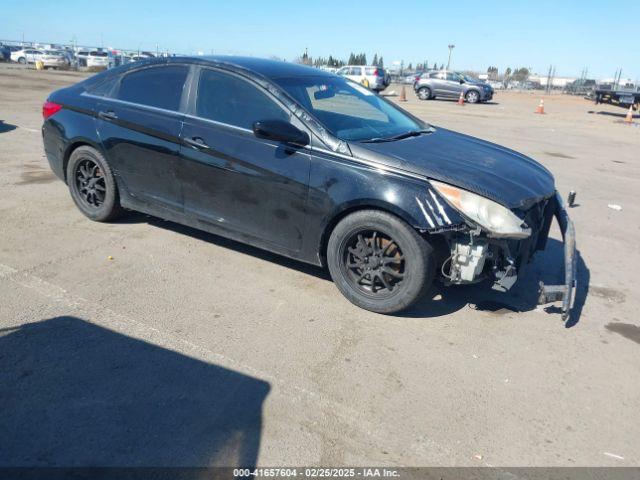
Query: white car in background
x=370, y=76
x=49, y=58
x=26, y=55
x=94, y=58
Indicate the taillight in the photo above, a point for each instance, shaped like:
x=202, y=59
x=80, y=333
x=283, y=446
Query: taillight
x=376, y=73
x=417, y=78
x=50, y=108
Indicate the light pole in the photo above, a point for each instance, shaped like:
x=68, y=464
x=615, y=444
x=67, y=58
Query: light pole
x=451, y=47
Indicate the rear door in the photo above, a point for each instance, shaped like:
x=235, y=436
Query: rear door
x=233, y=180
x=438, y=82
x=33, y=55
x=139, y=127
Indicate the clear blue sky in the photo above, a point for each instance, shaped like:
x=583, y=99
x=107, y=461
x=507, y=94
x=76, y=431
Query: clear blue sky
x=571, y=35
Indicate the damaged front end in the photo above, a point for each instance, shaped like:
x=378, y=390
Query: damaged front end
x=477, y=253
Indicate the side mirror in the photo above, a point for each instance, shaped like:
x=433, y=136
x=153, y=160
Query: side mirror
x=280, y=131
x=461, y=81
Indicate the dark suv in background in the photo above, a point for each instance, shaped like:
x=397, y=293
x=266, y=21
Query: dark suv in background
x=449, y=85
x=5, y=53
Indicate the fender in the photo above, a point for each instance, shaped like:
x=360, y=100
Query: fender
x=65, y=131
x=339, y=185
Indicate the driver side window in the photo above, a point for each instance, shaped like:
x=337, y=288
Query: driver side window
x=228, y=99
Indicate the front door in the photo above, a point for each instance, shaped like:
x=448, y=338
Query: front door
x=139, y=129
x=234, y=181
x=452, y=85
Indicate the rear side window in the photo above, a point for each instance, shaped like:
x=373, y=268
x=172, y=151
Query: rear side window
x=102, y=87
x=159, y=87
x=228, y=99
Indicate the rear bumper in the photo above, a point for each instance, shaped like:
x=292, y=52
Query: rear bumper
x=565, y=292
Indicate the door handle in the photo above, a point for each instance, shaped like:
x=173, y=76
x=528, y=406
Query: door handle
x=196, y=142
x=108, y=115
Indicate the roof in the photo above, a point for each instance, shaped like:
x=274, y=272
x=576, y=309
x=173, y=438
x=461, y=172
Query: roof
x=271, y=69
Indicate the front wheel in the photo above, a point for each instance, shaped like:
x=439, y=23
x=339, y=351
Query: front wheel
x=472, y=96
x=379, y=262
x=22, y=60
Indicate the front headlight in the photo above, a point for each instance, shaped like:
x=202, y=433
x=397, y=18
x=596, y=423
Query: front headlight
x=499, y=221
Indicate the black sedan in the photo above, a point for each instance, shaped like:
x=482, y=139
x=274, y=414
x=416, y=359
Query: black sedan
x=309, y=165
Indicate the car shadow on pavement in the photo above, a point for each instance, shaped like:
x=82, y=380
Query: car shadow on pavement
x=75, y=394
x=547, y=266
x=455, y=100
x=6, y=127
x=621, y=114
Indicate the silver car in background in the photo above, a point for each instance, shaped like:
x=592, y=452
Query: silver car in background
x=448, y=84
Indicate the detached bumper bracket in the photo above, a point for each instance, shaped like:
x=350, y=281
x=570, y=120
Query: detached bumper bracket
x=563, y=293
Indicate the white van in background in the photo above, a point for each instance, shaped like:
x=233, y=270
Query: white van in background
x=94, y=58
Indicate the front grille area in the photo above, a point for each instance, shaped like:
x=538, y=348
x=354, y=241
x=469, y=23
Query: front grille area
x=538, y=218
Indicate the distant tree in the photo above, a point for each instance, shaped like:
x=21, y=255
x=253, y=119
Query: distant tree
x=375, y=60
x=410, y=67
x=442, y=66
x=352, y=59
x=381, y=62
x=305, y=59
x=507, y=76
x=521, y=74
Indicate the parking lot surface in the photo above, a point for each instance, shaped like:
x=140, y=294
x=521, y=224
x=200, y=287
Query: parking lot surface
x=143, y=342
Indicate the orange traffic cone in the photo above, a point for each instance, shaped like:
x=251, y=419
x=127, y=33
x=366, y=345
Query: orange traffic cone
x=629, y=117
x=403, y=94
x=461, y=99
x=540, y=108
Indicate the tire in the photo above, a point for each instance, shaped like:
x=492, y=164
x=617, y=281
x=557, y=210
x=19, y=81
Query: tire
x=364, y=247
x=424, y=93
x=472, y=96
x=92, y=185
x=22, y=61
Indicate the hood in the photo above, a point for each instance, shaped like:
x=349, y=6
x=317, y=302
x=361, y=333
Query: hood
x=499, y=173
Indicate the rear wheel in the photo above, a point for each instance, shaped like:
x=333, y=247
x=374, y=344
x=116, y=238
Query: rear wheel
x=92, y=185
x=22, y=60
x=472, y=96
x=379, y=262
x=424, y=93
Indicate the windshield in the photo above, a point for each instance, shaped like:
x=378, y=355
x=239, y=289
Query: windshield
x=99, y=54
x=348, y=110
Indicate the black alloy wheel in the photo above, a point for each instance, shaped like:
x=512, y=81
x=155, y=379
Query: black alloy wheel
x=379, y=262
x=90, y=183
x=374, y=263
